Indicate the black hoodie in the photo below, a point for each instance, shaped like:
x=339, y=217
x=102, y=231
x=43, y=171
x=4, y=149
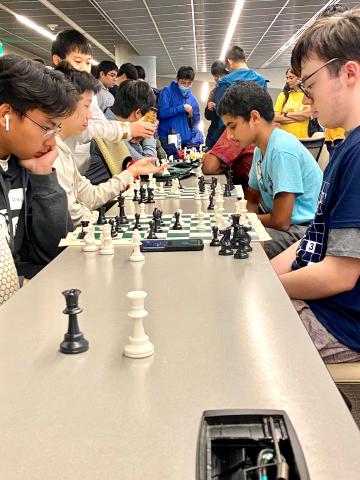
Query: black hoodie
x=35, y=210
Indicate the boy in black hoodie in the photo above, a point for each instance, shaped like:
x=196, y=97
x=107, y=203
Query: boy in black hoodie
x=33, y=206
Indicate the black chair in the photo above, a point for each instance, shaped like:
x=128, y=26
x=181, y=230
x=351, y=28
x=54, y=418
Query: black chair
x=314, y=145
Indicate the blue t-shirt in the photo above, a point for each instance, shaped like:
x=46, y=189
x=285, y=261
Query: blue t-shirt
x=287, y=167
x=338, y=207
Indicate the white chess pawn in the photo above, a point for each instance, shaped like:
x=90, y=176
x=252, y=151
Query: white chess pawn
x=89, y=240
x=161, y=187
x=237, y=207
x=201, y=224
x=175, y=189
x=197, y=193
x=243, y=211
x=139, y=345
x=220, y=204
x=198, y=203
x=106, y=240
x=136, y=256
x=152, y=181
x=142, y=210
x=239, y=191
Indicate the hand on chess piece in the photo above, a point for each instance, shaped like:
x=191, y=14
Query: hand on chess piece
x=145, y=166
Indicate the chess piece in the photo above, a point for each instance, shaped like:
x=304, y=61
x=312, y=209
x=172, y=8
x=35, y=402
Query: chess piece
x=89, y=240
x=122, y=214
x=142, y=210
x=136, y=197
x=243, y=210
x=130, y=192
x=150, y=196
x=211, y=202
x=227, y=191
x=101, y=218
x=177, y=225
x=142, y=198
x=74, y=340
x=235, y=225
x=201, y=227
x=239, y=191
x=152, y=235
x=136, y=256
x=84, y=224
x=168, y=182
x=106, y=241
x=114, y=232
x=152, y=181
x=225, y=242
x=165, y=172
x=247, y=239
x=241, y=252
x=161, y=188
x=137, y=225
x=175, y=188
x=139, y=345
x=215, y=242
x=118, y=224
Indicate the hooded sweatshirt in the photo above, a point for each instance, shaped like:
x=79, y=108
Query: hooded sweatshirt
x=173, y=116
x=34, y=216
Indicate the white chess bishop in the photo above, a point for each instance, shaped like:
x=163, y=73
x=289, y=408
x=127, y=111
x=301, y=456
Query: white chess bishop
x=139, y=345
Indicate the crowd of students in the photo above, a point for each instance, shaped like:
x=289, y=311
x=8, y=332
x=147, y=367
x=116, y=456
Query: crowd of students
x=49, y=117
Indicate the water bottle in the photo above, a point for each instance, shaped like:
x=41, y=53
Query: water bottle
x=178, y=141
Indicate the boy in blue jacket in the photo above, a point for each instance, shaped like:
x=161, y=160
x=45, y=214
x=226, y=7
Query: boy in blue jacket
x=179, y=110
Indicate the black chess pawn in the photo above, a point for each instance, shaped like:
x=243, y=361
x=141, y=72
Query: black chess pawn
x=225, y=245
x=215, y=242
x=122, y=215
x=137, y=225
x=114, y=232
x=101, y=218
x=74, y=341
x=84, y=224
x=150, y=195
x=227, y=190
x=118, y=224
x=143, y=197
x=241, y=252
x=201, y=184
x=136, y=196
x=152, y=234
x=177, y=225
x=211, y=202
x=235, y=226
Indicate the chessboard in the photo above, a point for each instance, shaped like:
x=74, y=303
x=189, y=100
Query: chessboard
x=185, y=193
x=188, y=221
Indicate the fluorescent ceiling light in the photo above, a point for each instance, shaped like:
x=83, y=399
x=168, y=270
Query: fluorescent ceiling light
x=29, y=23
x=232, y=25
x=292, y=40
x=204, y=92
x=35, y=27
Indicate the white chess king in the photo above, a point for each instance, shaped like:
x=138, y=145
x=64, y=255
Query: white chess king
x=139, y=345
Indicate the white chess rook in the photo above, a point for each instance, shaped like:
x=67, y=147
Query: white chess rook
x=139, y=345
x=136, y=256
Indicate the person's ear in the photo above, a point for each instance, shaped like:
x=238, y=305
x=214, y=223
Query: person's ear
x=56, y=59
x=138, y=114
x=255, y=116
x=5, y=116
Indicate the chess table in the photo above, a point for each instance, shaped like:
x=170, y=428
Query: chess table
x=226, y=337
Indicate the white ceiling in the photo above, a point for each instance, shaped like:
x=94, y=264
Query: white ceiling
x=178, y=32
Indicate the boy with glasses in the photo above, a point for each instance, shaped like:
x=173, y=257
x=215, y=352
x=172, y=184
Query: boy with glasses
x=33, y=207
x=321, y=272
x=106, y=73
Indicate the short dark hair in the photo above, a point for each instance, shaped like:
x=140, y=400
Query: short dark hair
x=129, y=70
x=330, y=37
x=336, y=9
x=131, y=95
x=105, y=66
x=70, y=41
x=218, y=68
x=26, y=85
x=243, y=97
x=82, y=81
x=141, y=72
x=185, y=73
x=236, y=54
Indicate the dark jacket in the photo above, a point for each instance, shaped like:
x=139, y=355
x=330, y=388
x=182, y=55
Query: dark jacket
x=214, y=120
x=172, y=114
x=35, y=229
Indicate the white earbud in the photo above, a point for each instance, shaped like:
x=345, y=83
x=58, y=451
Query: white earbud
x=7, y=122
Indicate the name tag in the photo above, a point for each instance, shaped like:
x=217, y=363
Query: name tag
x=16, y=198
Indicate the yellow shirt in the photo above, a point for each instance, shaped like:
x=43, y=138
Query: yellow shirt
x=332, y=134
x=293, y=104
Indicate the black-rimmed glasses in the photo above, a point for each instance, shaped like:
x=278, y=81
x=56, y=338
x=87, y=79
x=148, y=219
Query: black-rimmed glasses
x=301, y=85
x=48, y=132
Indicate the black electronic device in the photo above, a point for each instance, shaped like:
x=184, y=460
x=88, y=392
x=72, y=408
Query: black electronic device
x=177, y=245
x=247, y=445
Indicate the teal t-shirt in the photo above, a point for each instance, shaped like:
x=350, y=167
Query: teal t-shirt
x=287, y=167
